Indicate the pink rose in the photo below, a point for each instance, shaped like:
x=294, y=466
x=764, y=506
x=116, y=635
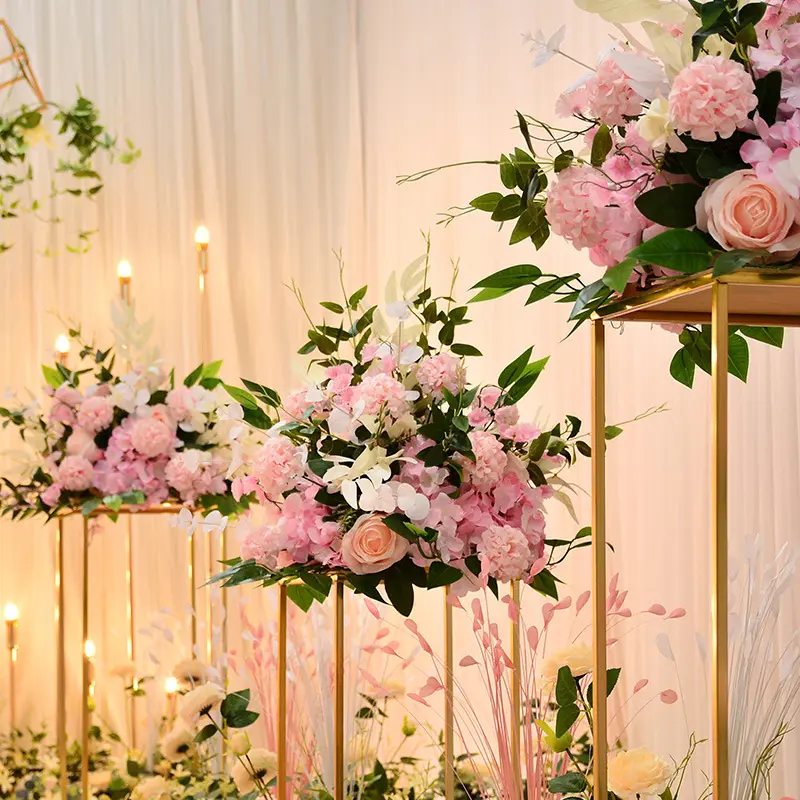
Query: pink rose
x=95, y=414
x=151, y=436
x=51, y=495
x=370, y=546
x=75, y=473
x=81, y=443
x=743, y=212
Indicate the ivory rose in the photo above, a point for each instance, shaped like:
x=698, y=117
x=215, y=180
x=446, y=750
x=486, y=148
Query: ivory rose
x=742, y=212
x=578, y=657
x=638, y=773
x=370, y=546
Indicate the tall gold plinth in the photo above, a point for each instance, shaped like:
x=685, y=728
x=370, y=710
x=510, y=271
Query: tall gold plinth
x=746, y=297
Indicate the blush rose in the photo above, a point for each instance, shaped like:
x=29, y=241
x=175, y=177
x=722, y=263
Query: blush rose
x=742, y=212
x=370, y=546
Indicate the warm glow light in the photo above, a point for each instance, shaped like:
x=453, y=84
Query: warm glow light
x=124, y=269
x=11, y=612
x=62, y=344
x=89, y=650
x=201, y=235
x=171, y=685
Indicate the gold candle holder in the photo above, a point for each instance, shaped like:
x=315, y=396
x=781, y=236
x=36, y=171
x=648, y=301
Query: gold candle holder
x=124, y=274
x=171, y=687
x=62, y=349
x=11, y=613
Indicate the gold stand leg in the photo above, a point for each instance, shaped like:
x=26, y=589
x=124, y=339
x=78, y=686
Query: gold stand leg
x=282, y=705
x=223, y=544
x=61, y=667
x=85, y=661
x=192, y=594
x=599, y=730
x=210, y=603
x=516, y=693
x=449, y=720
x=719, y=558
x=338, y=717
x=131, y=619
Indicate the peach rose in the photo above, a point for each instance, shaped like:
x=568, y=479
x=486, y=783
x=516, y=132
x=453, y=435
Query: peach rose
x=370, y=546
x=742, y=212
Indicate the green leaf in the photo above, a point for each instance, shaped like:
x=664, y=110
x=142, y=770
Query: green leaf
x=671, y=206
x=510, y=277
x=524, y=384
x=514, y=370
x=569, y=782
x=205, y=734
x=510, y=207
x=601, y=145
x=526, y=226
x=612, y=676
x=732, y=260
x=235, y=701
x=682, y=367
x=563, y=160
x=545, y=289
x=586, y=296
x=440, y=574
x=679, y=249
x=538, y=447
x=567, y=716
x=400, y=593
x=545, y=584
x=768, y=92
x=241, y=396
x=52, y=376
x=772, y=336
x=747, y=36
x=242, y=719
x=612, y=431
x=508, y=172
x=566, y=689
x=399, y=524
x=751, y=13
x=487, y=202
x=212, y=370
x=616, y=277
x=738, y=357
x=357, y=297
x=300, y=595
x=465, y=350
x=335, y=307
x=192, y=378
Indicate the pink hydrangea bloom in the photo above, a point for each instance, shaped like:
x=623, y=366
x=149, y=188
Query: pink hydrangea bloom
x=711, y=96
x=152, y=436
x=75, y=473
x=576, y=206
x=479, y=417
x=441, y=371
x=770, y=154
x=381, y=391
x=51, y=495
x=506, y=416
x=504, y=553
x=62, y=414
x=277, y=466
x=522, y=432
x=68, y=396
x=611, y=97
x=95, y=414
x=193, y=473
x=339, y=377
x=490, y=460
x=296, y=406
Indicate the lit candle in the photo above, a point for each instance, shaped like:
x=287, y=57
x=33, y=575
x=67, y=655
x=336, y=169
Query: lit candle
x=89, y=652
x=201, y=237
x=11, y=613
x=124, y=273
x=62, y=348
x=171, y=687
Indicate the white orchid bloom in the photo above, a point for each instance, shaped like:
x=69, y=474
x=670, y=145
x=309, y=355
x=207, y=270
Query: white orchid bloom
x=184, y=520
x=213, y=522
x=410, y=355
x=128, y=397
x=232, y=411
x=400, y=309
x=412, y=503
x=542, y=48
x=646, y=77
x=314, y=394
x=375, y=498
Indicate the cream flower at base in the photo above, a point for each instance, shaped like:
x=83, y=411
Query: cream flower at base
x=100, y=779
x=240, y=743
x=259, y=764
x=177, y=743
x=578, y=657
x=638, y=773
x=655, y=126
x=200, y=701
x=191, y=671
x=154, y=788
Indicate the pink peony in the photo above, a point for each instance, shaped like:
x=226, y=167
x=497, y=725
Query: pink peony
x=488, y=396
x=95, y=414
x=743, y=212
x=62, y=413
x=277, y=466
x=152, y=436
x=75, y=473
x=506, y=416
x=181, y=402
x=504, y=553
x=441, y=371
x=68, y=396
x=51, y=495
x=611, y=97
x=182, y=470
x=370, y=546
x=81, y=443
x=711, y=96
x=381, y=391
x=490, y=460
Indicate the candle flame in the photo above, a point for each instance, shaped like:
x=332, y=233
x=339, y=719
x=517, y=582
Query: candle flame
x=11, y=612
x=201, y=235
x=171, y=685
x=62, y=344
x=124, y=269
x=89, y=650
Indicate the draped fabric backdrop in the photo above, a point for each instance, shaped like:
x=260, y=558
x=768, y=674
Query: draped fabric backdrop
x=281, y=126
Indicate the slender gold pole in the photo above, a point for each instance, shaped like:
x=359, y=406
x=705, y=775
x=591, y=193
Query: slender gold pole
x=599, y=730
x=131, y=618
x=13, y=649
x=85, y=685
x=61, y=656
x=192, y=593
x=210, y=602
x=223, y=545
x=719, y=558
x=282, y=705
x=338, y=716
x=449, y=719
x=516, y=693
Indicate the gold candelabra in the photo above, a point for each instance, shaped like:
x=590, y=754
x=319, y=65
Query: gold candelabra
x=11, y=614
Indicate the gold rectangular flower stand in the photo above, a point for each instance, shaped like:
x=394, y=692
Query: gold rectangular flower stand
x=745, y=297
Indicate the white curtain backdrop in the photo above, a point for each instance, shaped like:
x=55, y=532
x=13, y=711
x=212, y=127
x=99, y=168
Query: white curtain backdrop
x=282, y=125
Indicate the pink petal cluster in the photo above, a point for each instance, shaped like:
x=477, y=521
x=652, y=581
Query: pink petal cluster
x=277, y=466
x=383, y=392
x=770, y=154
x=95, y=414
x=152, y=436
x=441, y=371
x=193, y=473
x=711, y=97
x=490, y=460
x=504, y=553
x=75, y=473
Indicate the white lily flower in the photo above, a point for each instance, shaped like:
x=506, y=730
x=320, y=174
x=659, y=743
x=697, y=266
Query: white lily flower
x=349, y=490
x=544, y=49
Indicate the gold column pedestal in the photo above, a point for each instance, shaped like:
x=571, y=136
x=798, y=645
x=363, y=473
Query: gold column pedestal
x=449, y=717
x=338, y=708
x=282, y=705
x=745, y=297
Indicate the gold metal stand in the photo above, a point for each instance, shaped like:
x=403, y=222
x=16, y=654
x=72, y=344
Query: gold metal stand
x=282, y=705
x=516, y=693
x=600, y=710
x=86, y=678
x=191, y=572
x=131, y=619
x=339, y=771
x=13, y=649
x=745, y=297
x=449, y=718
x=61, y=667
